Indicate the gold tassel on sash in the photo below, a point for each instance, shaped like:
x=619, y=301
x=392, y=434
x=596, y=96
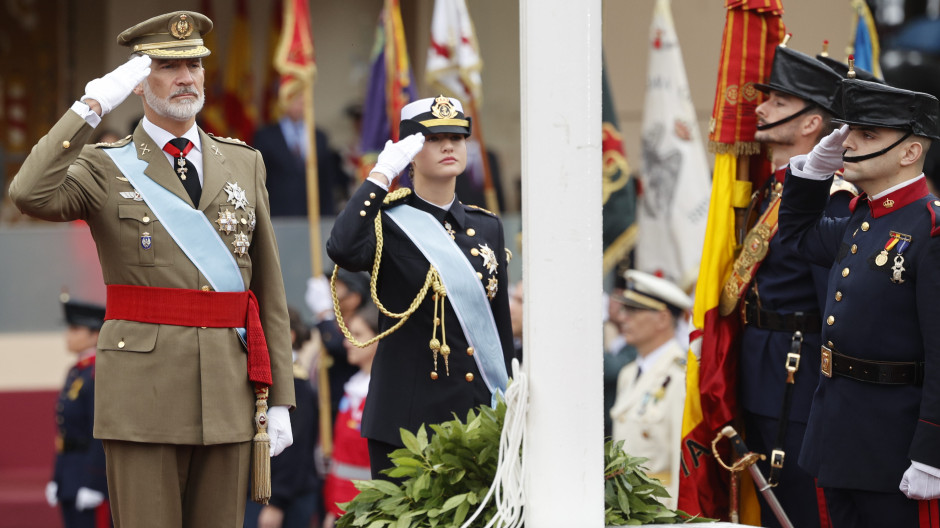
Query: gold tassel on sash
x=261, y=450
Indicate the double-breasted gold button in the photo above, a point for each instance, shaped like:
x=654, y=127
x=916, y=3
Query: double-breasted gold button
x=845, y=272
x=838, y=296
x=362, y=213
x=831, y=320
x=479, y=275
x=66, y=144
x=469, y=376
x=475, y=252
x=854, y=248
x=471, y=231
x=469, y=351
x=367, y=203
x=865, y=226
x=372, y=195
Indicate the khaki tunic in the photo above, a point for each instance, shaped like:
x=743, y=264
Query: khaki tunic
x=162, y=383
x=647, y=415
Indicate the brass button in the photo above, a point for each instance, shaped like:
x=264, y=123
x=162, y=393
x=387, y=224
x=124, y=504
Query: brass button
x=66, y=144
x=362, y=213
x=469, y=351
x=372, y=195
x=854, y=248
x=474, y=252
x=471, y=232
x=205, y=287
x=865, y=226
x=121, y=344
x=469, y=376
x=203, y=327
x=845, y=272
x=145, y=219
x=831, y=320
x=479, y=275
x=937, y=203
x=244, y=221
x=433, y=375
x=838, y=296
x=367, y=203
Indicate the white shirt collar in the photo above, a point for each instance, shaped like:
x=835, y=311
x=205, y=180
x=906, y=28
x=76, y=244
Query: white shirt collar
x=646, y=362
x=444, y=207
x=162, y=137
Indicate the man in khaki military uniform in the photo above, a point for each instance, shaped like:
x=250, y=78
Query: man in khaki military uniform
x=647, y=414
x=188, y=253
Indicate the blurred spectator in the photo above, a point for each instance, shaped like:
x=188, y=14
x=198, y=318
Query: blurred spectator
x=617, y=352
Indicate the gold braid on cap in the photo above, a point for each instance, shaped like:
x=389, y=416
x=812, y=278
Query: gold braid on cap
x=169, y=44
x=431, y=281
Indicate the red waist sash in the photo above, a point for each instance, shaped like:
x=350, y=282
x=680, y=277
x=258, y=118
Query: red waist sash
x=181, y=307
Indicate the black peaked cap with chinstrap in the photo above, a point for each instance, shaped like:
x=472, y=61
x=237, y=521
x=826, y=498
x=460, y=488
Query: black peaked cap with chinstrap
x=802, y=76
x=176, y=35
x=434, y=115
x=879, y=105
x=84, y=314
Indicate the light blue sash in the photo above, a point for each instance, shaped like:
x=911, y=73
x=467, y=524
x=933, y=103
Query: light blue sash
x=464, y=291
x=189, y=227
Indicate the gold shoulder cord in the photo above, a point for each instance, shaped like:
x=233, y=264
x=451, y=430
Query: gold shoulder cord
x=432, y=280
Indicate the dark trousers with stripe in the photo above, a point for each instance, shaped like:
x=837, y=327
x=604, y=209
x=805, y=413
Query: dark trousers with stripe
x=870, y=509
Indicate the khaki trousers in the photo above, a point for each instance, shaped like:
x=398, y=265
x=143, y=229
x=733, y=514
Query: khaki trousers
x=177, y=486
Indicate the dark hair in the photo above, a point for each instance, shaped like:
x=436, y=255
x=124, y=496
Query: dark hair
x=370, y=314
x=297, y=325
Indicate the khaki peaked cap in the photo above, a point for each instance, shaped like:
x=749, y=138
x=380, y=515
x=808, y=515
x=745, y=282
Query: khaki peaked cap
x=176, y=35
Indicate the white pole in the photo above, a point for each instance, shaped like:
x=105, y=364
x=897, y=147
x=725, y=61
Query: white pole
x=560, y=44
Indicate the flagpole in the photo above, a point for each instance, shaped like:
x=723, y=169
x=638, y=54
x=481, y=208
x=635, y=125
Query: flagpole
x=489, y=191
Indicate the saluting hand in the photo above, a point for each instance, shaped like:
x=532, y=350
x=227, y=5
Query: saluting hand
x=111, y=90
x=826, y=157
x=396, y=156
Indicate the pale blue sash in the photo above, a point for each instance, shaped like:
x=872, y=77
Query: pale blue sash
x=189, y=227
x=464, y=291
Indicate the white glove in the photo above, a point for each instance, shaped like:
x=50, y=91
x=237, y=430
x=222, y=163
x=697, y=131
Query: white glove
x=113, y=88
x=279, y=429
x=319, y=298
x=921, y=482
x=87, y=499
x=52, y=490
x=826, y=157
x=396, y=156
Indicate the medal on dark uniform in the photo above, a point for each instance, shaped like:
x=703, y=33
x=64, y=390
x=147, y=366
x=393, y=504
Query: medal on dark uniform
x=449, y=228
x=882, y=257
x=491, y=287
x=489, y=258
x=181, y=168
x=145, y=241
x=898, y=268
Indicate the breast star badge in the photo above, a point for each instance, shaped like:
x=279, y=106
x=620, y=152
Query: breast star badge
x=491, y=288
x=489, y=258
x=227, y=222
x=241, y=244
x=236, y=195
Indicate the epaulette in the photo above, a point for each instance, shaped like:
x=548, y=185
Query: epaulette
x=933, y=207
x=231, y=141
x=118, y=143
x=482, y=210
x=396, y=195
x=839, y=185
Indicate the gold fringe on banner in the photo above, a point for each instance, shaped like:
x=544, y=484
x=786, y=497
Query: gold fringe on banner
x=740, y=148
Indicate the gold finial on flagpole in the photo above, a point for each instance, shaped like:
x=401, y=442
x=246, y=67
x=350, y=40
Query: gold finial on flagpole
x=786, y=38
x=851, y=73
x=825, y=50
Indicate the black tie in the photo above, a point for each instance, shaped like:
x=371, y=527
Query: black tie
x=178, y=148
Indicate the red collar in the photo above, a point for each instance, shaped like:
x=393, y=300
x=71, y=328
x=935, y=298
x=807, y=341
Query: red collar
x=85, y=363
x=893, y=200
x=781, y=174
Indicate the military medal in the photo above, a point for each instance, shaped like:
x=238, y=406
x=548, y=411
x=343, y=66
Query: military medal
x=491, y=287
x=252, y=220
x=882, y=257
x=449, y=228
x=489, y=258
x=241, y=244
x=145, y=241
x=132, y=195
x=898, y=268
x=236, y=195
x=227, y=222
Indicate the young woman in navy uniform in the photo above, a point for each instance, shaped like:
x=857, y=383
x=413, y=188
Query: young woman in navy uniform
x=79, y=484
x=424, y=372
x=874, y=428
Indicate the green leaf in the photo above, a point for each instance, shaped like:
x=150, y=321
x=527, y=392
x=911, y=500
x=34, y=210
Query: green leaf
x=461, y=515
x=453, y=502
x=422, y=439
x=410, y=441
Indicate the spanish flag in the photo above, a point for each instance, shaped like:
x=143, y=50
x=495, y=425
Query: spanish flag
x=753, y=28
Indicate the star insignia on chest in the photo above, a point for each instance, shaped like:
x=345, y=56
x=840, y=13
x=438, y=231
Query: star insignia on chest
x=489, y=258
x=236, y=195
x=241, y=244
x=492, y=286
x=227, y=222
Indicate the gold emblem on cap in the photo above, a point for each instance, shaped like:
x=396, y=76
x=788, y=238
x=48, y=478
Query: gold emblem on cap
x=181, y=27
x=442, y=108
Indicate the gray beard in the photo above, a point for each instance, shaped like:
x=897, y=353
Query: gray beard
x=172, y=110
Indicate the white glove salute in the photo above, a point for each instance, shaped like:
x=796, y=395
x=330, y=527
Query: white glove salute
x=113, y=88
x=87, y=498
x=279, y=429
x=396, y=156
x=921, y=482
x=826, y=157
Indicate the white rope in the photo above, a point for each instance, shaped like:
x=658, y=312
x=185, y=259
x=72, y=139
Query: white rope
x=507, y=489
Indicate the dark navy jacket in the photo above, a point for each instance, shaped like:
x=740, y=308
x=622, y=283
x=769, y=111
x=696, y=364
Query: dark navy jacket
x=786, y=283
x=863, y=435
x=401, y=391
x=79, y=461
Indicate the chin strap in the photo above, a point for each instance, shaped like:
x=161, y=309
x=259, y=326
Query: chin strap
x=787, y=119
x=856, y=159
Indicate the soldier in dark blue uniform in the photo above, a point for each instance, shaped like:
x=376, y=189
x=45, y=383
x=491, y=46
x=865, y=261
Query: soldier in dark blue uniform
x=79, y=484
x=782, y=293
x=873, y=437
x=442, y=265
